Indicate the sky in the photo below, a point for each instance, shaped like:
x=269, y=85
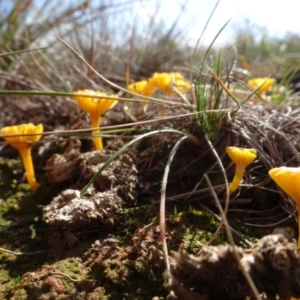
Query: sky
x=274, y=17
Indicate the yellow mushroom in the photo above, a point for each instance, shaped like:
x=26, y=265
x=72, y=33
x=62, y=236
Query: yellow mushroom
x=166, y=81
x=242, y=157
x=96, y=108
x=288, y=179
x=263, y=84
x=23, y=144
x=142, y=87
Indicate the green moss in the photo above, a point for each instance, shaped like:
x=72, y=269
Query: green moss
x=11, y=171
x=140, y=265
x=72, y=267
x=127, y=277
x=5, y=277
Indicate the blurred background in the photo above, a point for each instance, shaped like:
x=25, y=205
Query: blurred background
x=142, y=37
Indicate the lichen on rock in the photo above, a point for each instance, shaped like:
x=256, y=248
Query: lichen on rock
x=71, y=210
x=121, y=175
x=70, y=214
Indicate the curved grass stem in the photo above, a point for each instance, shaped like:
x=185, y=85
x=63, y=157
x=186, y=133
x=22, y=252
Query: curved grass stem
x=162, y=214
x=123, y=149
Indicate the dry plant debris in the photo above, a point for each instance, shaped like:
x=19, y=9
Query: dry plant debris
x=273, y=130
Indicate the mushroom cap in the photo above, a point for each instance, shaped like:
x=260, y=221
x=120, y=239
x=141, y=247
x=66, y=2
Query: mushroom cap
x=165, y=82
x=241, y=156
x=142, y=87
x=288, y=179
x=92, y=105
x=263, y=83
x=20, y=130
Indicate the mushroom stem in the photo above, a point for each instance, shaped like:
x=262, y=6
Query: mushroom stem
x=97, y=139
x=238, y=176
x=25, y=152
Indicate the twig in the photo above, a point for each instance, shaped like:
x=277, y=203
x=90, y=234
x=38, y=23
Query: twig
x=234, y=232
x=226, y=187
x=187, y=195
x=22, y=253
x=26, y=281
x=22, y=51
x=231, y=241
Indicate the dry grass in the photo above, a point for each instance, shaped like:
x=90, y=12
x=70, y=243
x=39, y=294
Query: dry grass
x=98, y=41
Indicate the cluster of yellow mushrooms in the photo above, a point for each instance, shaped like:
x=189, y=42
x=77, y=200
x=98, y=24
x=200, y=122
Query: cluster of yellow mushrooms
x=96, y=104
x=167, y=83
x=287, y=178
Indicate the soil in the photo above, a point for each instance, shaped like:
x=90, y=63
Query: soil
x=105, y=243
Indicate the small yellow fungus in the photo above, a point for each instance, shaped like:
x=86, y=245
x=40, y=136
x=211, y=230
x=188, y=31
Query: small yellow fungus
x=142, y=87
x=263, y=84
x=96, y=108
x=167, y=81
x=23, y=142
x=242, y=157
x=288, y=179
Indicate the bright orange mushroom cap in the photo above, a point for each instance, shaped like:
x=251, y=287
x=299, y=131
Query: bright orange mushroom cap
x=142, y=87
x=166, y=81
x=241, y=156
x=94, y=105
x=21, y=131
x=288, y=179
x=23, y=143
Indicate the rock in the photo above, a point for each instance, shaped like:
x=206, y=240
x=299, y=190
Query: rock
x=121, y=175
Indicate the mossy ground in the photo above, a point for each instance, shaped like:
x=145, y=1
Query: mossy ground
x=123, y=260
x=109, y=263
